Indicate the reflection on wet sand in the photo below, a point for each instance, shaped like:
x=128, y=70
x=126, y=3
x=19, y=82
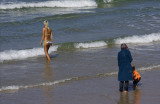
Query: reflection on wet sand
x=137, y=96
x=48, y=76
x=126, y=98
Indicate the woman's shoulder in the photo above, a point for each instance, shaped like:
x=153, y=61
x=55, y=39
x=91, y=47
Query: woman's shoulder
x=127, y=51
x=120, y=52
x=44, y=28
x=124, y=51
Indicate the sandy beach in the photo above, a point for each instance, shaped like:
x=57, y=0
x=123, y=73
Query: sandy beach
x=96, y=90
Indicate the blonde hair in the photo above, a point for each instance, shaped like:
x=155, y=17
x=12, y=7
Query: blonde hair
x=46, y=23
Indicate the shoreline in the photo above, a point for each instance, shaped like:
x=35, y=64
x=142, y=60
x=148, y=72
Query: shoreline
x=91, y=91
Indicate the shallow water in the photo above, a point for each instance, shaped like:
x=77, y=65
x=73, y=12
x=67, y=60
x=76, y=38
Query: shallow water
x=86, y=42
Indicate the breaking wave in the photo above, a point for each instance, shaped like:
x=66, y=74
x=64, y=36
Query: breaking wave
x=23, y=54
x=27, y=53
x=53, y=3
x=139, y=39
x=91, y=45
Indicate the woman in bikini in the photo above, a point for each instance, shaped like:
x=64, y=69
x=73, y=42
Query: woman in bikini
x=47, y=37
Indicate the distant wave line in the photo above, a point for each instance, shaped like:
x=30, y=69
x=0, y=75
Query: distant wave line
x=57, y=3
x=17, y=87
x=139, y=39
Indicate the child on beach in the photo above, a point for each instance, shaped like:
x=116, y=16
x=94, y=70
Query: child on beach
x=136, y=77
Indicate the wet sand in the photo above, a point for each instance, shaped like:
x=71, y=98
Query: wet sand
x=98, y=90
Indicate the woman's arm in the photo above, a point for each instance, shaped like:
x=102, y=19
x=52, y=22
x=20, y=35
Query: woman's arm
x=42, y=37
x=51, y=37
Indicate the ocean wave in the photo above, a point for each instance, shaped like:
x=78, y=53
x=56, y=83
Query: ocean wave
x=16, y=87
x=148, y=68
x=23, y=54
x=107, y=1
x=139, y=39
x=56, y=3
x=27, y=53
x=13, y=88
x=135, y=39
x=8, y=55
x=91, y=45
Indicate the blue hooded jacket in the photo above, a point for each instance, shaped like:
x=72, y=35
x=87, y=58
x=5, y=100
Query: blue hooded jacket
x=124, y=62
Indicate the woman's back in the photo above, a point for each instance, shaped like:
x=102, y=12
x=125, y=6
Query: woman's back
x=47, y=35
x=124, y=63
x=124, y=57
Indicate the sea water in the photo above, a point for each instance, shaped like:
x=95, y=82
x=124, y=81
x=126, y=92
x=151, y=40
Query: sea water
x=87, y=36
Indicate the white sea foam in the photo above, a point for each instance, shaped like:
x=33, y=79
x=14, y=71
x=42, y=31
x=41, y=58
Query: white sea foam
x=112, y=73
x=9, y=88
x=107, y=1
x=148, y=68
x=55, y=3
x=91, y=45
x=23, y=54
x=15, y=88
x=138, y=69
x=139, y=39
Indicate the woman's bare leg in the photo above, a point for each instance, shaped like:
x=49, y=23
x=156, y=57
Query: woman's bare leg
x=46, y=48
